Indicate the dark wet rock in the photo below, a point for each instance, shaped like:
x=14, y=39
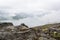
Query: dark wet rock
x=6, y=24
x=24, y=25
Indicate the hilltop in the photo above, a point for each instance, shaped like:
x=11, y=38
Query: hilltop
x=22, y=32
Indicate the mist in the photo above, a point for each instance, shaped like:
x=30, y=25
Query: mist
x=30, y=12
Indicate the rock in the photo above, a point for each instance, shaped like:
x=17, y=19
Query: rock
x=22, y=28
x=6, y=24
x=43, y=38
x=22, y=32
x=24, y=25
x=9, y=29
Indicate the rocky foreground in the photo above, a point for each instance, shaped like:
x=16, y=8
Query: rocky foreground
x=22, y=32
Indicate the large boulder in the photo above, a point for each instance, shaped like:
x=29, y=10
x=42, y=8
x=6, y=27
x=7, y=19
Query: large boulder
x=3, y=26
x=22, y=27
x=6, y=24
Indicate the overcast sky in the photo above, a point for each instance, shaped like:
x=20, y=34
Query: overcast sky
x=29, y=5
x=48, y=10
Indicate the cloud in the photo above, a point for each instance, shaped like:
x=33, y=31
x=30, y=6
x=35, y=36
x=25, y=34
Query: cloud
x=16, y=16
x=21, y=16
x=34, y=18
x=30, y=5
x=42, y=11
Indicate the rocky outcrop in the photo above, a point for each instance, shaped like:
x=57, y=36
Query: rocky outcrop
x=5, y=24
x=23, y=32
